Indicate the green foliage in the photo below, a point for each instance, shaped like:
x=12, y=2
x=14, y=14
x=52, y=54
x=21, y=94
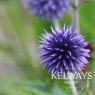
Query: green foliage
x=20, y=73
x=40, y=88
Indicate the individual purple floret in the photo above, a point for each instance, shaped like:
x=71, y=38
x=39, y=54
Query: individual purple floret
x=63, y=51
x=48, y=9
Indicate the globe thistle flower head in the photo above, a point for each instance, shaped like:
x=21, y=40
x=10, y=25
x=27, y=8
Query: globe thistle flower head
x=48, y=9
x=63, y=50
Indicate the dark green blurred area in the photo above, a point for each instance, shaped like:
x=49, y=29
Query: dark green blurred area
x=20, y=72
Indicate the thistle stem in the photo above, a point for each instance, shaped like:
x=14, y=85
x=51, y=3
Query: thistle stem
x=75, y=15
x=56, y=24
x=72, y=85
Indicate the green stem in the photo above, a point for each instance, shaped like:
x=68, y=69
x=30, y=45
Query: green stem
x=56, y=24
x=72, y=85
x=75, y=14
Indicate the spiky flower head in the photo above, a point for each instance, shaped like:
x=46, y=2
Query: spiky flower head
x=63, y=51
x=48, y=9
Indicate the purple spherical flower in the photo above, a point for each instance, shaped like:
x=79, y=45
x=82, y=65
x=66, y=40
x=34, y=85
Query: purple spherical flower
x=48, y=9
x=63, y=51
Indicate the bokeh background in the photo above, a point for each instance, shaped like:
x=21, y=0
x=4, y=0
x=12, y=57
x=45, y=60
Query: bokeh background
x=20, y=72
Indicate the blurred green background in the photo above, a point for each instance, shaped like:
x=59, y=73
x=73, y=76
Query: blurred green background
x=20, y=73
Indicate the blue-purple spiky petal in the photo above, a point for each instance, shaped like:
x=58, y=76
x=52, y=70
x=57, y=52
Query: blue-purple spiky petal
x=48, y=9
x=63, y=50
